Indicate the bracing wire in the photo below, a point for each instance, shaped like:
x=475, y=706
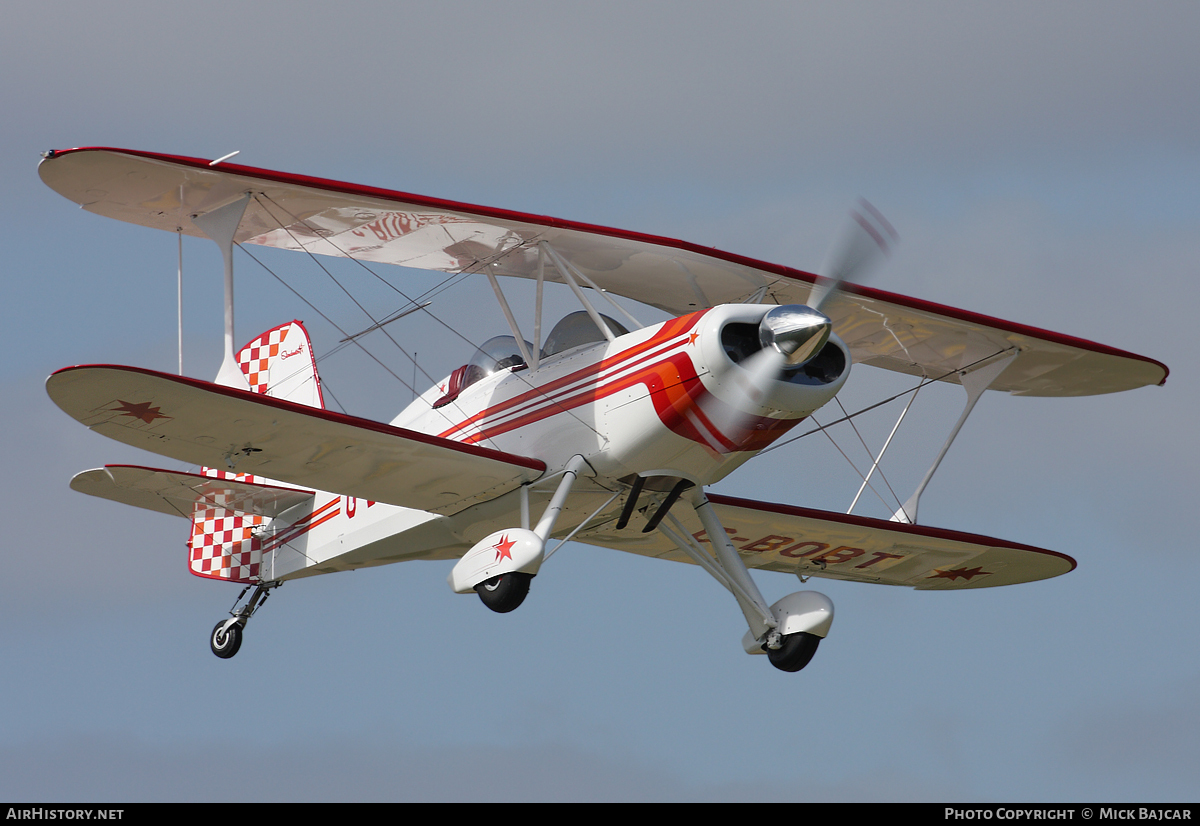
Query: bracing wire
x=828, y=435
x=923, y=383
x=445, y=284
x=455, y=278
x=870, y=455
x=349, y=295
x=314, y=308
x=353, y=339
x=849, y=417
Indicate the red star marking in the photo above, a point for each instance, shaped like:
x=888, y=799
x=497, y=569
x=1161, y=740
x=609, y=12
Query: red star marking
x=504, y=547
x=964, y=573
x=142, y=411
x=692, y=338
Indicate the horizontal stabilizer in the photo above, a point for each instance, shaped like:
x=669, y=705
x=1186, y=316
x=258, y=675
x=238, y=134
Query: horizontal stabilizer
x=177, y=493
x=812, y=542
x=221, y=427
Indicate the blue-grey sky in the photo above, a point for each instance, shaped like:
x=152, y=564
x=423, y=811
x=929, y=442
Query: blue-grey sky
x=1041, y=163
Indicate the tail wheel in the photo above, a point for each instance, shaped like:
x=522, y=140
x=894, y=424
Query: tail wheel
x=796, y=651
x=505, y=592
x=225, y=644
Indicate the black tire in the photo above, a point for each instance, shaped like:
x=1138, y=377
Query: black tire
x=227, y=644
x=796, y=651
x=505, y=592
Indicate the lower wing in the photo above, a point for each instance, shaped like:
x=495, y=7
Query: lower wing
x=176, y=493
x=811, y=542
x=214, y=426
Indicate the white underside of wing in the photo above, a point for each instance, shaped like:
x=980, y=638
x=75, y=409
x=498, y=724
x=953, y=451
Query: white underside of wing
x=176, y=493
x=333, y=218
x=212, y=426
x=859, y=549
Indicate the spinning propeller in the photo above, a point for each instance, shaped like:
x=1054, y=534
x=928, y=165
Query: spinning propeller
x=791, y=335
x=866, y=238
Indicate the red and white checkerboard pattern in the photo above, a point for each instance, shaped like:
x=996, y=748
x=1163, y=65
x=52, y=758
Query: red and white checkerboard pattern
x=223, y=545
x=255, y=357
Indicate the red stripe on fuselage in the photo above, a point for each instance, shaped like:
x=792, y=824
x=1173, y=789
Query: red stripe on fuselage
x=674, y=370
x=303, y=526
x=671, y=381
x=548, y=406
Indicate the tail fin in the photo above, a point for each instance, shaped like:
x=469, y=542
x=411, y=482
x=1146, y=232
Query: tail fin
x=224, y=542
x=280, y=363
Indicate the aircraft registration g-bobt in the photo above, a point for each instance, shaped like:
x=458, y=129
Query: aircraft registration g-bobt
x=604, y=431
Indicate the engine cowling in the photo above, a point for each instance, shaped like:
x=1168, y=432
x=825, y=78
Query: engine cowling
x=811, y=367
x=700, y=408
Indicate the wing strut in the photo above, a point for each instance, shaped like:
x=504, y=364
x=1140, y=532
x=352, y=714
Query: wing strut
x=179, y=293
x=537, y=309
x=572, y=276
x=221, y=224
x=562, y=267
x=974, y=382
x=531, y=357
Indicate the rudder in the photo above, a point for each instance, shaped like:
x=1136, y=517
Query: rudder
x=280, y=363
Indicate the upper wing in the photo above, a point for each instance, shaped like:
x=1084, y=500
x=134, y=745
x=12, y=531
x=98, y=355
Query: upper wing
x=176, y=493
x=215, y=426
x=860, y=549
x=333, y=218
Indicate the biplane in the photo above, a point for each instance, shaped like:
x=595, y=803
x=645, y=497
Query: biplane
x=605, y=430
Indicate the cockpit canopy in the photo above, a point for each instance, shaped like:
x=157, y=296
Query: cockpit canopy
x=495, y=354
x=577, y=329
x=503, y=352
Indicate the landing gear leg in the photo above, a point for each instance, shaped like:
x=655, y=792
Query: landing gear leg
x=789, y=631
x=226, y=637
x=758, y=614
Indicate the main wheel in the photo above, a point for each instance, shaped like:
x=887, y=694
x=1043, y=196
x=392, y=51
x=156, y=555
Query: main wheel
x=796, y=651
x=505, y=592
x=227, y=644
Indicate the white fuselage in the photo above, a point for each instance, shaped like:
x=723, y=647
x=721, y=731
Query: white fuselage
x=663, y=401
